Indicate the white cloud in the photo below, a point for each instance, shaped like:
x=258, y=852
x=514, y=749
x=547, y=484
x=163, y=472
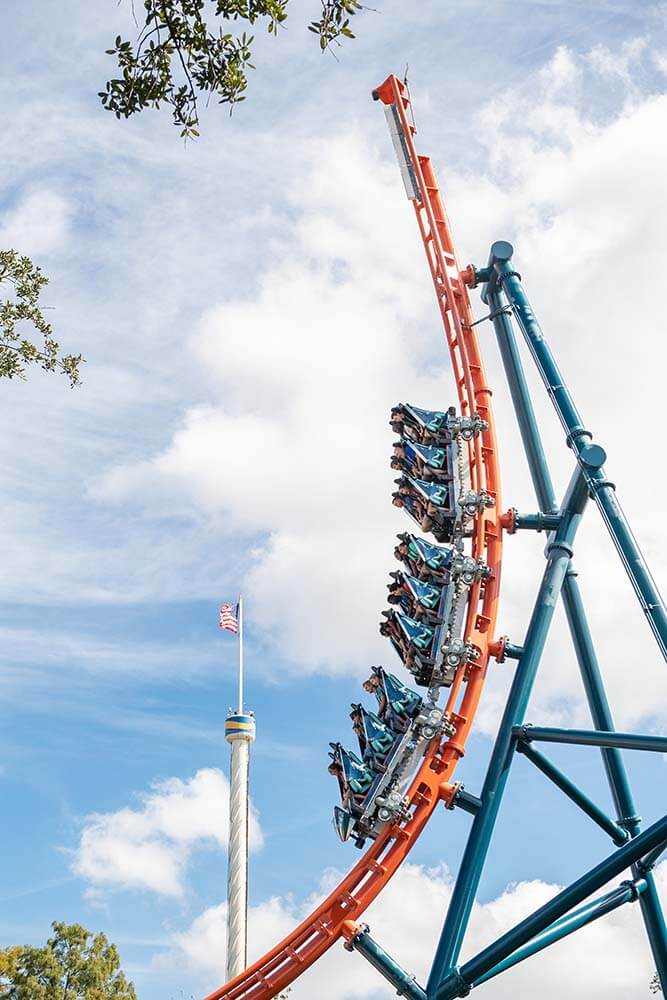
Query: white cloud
x=298, y=452
x=620, y=64
x=90, y=655
x=37, y=225
x=149, y=848
x=611, y=956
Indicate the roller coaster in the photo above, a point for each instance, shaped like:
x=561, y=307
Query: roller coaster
x=442, y=623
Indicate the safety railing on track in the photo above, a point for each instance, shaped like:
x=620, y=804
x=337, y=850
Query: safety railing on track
x=433, y=782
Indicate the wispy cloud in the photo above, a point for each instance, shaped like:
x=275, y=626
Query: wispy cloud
x=32, y=890
x=34, y=651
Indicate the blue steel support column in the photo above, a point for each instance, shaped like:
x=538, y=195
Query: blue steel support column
x=546, y=498
x=601, y=489
x=523, y=406
x=559, y=553
x=574, y=607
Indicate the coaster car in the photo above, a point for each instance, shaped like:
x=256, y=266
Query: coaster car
x=433, y=426
x=372, y=798
x=423, y=559
x=413, y=641
x=343, y=823
x=442, y=606
x=431, y=505
x=438, y=564
x=424, y=461
x=363, y=813
x=428, y=427
x=432, y=653
x=397, y=704
x=376, y=739
x=354, y=777
x=416, y=598
x=412, y=632
x=359, y=786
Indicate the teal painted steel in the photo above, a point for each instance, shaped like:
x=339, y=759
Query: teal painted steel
x=649, y=862
x=405, y=984
x=591, y=459
x=574, y=608
x=649, y=902
x=590, y=456
x=597, y=700
x=654, y=920
x=592, y=738
x=469, y=803
x=573, y=792
x=628, y=892
x=523, y=406
x=536, y=522
x=558, y=907
x=559, y=552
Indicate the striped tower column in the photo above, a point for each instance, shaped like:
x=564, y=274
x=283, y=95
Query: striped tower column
x=239, y=732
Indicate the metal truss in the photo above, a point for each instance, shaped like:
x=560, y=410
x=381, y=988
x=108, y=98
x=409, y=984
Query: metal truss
x=572, y=908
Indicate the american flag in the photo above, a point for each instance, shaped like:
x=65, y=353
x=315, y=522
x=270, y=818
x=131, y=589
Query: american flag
x=229, y=617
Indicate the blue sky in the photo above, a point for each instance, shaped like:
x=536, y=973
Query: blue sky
x=250, y=307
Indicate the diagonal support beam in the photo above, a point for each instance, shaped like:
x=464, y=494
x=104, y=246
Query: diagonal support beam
x=651, y=859
x=573, y=792
x=627, y=892
x=358, y=938
x=459, y=981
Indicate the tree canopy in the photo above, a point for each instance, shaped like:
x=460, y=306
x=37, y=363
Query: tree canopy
x=23, y=282
x=185, y=50
x=73, y=965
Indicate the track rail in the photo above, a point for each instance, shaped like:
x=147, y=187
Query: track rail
x=433, y=782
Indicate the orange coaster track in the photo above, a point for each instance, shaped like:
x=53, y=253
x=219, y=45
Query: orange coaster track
x=433, y=782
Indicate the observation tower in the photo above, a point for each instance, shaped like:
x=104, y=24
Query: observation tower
x=240, y=733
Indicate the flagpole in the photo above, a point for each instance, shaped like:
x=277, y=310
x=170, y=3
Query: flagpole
x=240, y=655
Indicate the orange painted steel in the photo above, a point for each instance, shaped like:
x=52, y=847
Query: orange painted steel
x=433, y=782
